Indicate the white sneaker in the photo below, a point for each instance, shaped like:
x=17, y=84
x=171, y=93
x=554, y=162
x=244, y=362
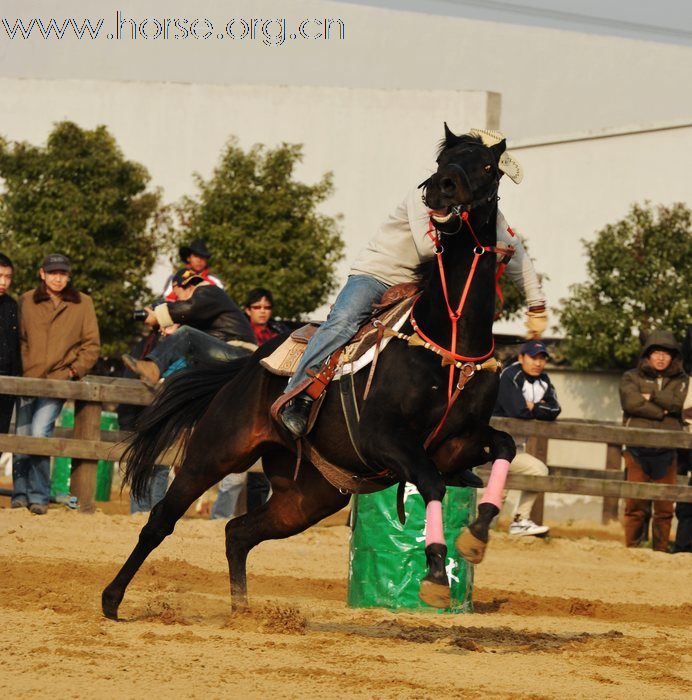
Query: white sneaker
x=527, y=527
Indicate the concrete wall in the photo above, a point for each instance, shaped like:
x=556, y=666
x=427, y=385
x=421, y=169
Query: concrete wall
x=584, y=396
x=378, y=143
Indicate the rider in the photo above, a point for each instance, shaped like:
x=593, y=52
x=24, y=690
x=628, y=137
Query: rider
x=391, y=257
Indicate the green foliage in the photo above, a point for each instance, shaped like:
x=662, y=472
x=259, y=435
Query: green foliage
x=639, y=279
x=79, y=196
x=263, y=228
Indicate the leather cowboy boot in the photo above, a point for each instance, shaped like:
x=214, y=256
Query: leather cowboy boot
x=146, y=370
x=295, y=416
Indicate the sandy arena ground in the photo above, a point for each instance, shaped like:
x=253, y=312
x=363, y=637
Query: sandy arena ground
x=559, y=618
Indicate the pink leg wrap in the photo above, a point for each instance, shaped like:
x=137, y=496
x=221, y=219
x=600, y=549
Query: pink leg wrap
x=496, y=483
x=433, y=523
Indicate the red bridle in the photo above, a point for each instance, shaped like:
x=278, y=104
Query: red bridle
x=455, y=315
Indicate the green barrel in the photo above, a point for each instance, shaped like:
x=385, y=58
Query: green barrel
x=388, y=558
x=62, y=466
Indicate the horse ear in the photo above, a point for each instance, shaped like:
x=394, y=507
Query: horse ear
x=450, y=137
x=498, y=149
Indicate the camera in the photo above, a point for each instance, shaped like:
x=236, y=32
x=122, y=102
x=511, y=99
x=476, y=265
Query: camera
x=140, y=315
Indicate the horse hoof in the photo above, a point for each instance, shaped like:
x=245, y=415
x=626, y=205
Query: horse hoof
x=470, y=547
x=240, y=607
x=436, y=595
x=110, y=605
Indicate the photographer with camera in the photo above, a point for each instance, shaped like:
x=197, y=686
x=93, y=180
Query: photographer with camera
x=204, y=324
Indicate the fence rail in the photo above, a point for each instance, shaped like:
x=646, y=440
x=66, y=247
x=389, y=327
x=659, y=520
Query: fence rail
x=600, y=483
x=87, y=444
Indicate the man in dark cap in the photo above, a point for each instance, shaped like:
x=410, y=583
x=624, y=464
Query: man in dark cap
x=59, y=338
x=652, y=395
x=526, y=392
x=196, y=257
x=203, y=324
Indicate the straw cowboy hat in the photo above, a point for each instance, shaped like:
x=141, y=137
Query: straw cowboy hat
x=508, y=163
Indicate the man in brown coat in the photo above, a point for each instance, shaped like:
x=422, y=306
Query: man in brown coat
x=652, y=396
x=59, y=338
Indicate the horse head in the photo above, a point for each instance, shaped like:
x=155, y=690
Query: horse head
x=466, y=180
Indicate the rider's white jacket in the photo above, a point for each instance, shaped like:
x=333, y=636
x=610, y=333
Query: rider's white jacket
x=402, y=244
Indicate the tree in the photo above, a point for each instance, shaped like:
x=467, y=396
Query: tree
x=263, y=227
x=639, y=279
x=80, y=197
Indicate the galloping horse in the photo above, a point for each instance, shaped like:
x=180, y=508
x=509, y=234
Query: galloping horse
x=220, y=414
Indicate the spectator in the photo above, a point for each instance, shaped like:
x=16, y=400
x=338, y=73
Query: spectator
x=526, y=392
x=230, y=489
x=652, y=396
x=683, y=511
x=59, y=339
x=259, y=306
x=10, y=357
x=212, y=328
x=196, y=257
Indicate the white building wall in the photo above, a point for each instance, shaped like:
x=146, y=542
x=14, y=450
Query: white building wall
x=584, y=396
x=574, y=186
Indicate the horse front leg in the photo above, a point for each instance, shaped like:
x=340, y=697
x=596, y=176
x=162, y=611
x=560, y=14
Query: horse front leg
x=397, y=450
x=472, y=542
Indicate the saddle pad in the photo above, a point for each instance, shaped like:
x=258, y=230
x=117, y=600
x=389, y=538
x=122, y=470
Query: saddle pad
x=284, y=360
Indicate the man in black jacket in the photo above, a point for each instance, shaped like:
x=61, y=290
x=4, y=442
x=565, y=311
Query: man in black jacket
x=527, y=392
x=10, y=356
x=203, y=325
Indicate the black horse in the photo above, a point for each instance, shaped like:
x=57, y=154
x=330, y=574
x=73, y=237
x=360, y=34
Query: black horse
x=220, y=415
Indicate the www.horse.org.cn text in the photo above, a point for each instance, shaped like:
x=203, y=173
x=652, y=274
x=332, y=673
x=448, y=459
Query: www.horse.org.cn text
x=270, y=32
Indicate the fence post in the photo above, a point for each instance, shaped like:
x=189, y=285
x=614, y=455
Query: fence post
x=87, y=426
x=613, y=462
x=538, y=447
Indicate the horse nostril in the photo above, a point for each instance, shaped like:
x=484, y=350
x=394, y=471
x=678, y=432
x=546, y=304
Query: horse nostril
x=447, y=185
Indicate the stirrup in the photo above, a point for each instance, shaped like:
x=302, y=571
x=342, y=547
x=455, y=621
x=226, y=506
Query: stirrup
x=296, y=416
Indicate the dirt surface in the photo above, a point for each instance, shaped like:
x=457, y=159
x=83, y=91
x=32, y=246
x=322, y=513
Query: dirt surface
x=555, y=618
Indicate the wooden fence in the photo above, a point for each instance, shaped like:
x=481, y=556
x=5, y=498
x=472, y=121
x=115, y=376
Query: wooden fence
x=607, y=483
x=87, y=444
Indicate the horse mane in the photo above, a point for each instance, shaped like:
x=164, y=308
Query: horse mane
x=454, y=140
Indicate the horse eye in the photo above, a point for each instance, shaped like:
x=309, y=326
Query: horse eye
x=488, y=168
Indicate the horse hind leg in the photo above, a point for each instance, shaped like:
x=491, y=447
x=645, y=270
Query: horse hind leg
x=473, y=541
x=187, y=486
x=293, y=507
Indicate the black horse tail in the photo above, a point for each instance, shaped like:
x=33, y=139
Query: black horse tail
x=171, y=416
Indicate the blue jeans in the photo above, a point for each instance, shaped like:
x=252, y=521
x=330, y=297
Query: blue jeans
x=230, y=488
x=352, y=308
x=193, y=346
x=36, y=417
x=158, y=484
